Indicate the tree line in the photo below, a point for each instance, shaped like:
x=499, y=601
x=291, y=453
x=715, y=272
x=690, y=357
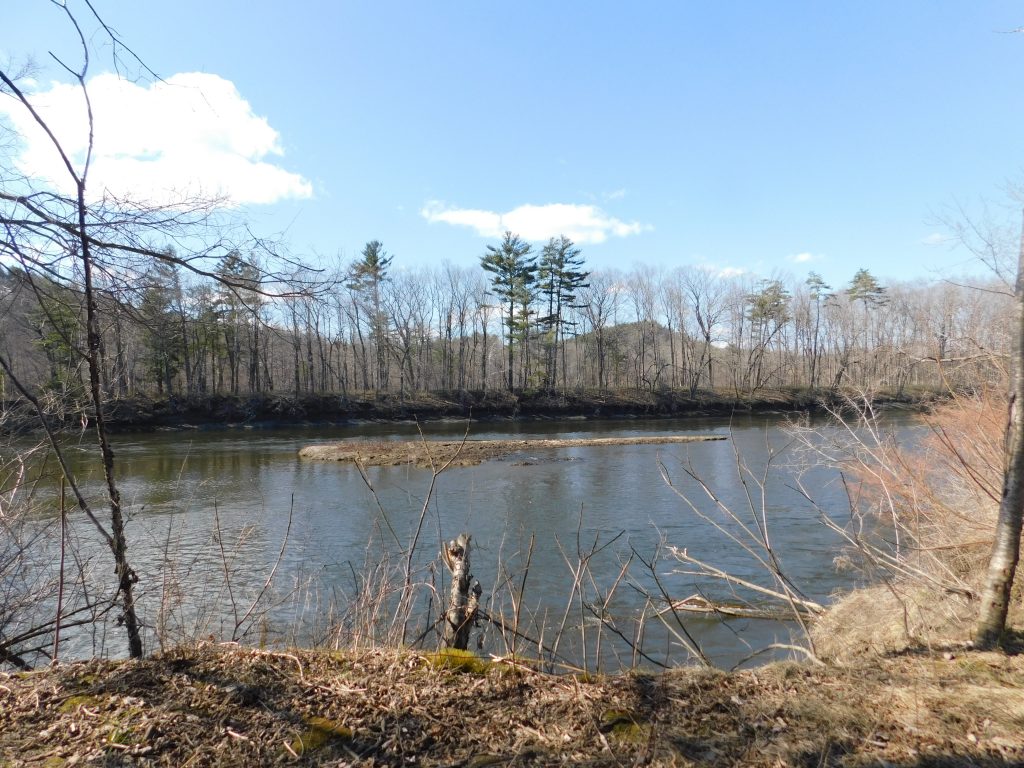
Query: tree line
x=524, y=319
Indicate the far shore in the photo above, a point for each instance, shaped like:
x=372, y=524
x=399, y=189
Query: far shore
x=281, y=410
x=142, y=414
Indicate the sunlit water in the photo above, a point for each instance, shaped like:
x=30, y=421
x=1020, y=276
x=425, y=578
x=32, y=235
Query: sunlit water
x=198, y=501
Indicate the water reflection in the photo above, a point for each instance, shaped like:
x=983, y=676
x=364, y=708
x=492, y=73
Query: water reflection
x=198, y=500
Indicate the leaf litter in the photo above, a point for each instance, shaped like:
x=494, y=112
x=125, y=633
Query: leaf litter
x=225, y=705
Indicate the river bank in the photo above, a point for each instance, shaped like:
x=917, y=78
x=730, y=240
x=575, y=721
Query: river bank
x=225, y=705
x=140, y=414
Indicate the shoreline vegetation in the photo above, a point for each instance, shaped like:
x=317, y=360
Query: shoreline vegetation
x=141, y=414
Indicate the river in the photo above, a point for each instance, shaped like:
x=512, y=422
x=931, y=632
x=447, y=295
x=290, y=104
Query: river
x=213, y=514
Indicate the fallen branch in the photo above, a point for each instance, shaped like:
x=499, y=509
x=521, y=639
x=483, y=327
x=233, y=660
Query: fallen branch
x=700, y=604
x=709, y=570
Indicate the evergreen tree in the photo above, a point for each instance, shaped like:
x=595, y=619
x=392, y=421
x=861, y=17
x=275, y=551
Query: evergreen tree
x=865, y=287
x=163, y=348
x=366, y=278
x=513, y=276
x=560, y=276
x=57, y=323
x=238, y=304
x=818, y=290
x=768, y=312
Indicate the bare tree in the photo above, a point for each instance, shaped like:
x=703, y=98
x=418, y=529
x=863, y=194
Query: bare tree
x=707, y=299
x=94, y=245
x=598, y=303
x=642, y=290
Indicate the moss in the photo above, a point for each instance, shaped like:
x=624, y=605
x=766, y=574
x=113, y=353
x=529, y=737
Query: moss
x=458, y=660
x=624, y=725
x=319, y=732
x=72, y=703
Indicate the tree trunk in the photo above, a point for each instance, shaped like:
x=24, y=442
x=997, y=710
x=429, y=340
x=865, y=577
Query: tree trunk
x=126, y=577
x=462, y=608
x=483, y=360
x=1002, y=566
x=508, y=341
x=186, y=351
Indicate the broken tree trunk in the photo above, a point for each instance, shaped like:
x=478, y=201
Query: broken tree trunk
x=462, y=607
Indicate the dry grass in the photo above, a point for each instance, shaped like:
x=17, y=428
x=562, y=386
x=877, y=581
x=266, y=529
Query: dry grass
x=922, y=528
x=225, y=705
x=890, y=618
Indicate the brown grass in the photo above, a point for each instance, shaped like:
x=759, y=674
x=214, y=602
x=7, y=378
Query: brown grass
x=931, y=512
x=225, y=705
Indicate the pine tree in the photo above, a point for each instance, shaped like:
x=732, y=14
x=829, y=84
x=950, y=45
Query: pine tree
x=238, y=303
x=163, y=348
x=818, y=290
x=865, y=287
x=560, y=277
x=57, y=324
x=768, y=312
x=513, y=277
x=366, y=278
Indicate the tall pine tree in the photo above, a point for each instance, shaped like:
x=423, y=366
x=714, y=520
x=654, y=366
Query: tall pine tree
x=513, y=276
x=560, y=276
x=366, y=278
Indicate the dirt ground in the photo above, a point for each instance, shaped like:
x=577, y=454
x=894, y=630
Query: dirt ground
x=459, y=453
x=222, y=705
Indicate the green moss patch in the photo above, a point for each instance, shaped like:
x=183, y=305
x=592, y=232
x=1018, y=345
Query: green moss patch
x=458, y=660
x=319, y=732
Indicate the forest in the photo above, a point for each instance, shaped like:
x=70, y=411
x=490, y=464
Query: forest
x=524, y=319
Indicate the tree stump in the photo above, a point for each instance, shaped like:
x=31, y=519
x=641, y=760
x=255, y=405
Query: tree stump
x=460, y=618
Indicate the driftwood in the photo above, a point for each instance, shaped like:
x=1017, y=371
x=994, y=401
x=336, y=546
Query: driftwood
x=796, y=604
x=463, y=605
x=700, y=604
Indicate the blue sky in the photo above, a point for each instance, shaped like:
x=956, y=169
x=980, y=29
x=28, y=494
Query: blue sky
x=748, y=136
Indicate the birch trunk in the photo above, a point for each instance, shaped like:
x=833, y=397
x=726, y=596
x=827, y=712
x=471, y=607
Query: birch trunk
x=995, y=599
x=462, y=607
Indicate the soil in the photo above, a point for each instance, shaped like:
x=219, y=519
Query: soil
x=221, y=705
x=464, y=453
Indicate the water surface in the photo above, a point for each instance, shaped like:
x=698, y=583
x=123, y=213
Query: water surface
x=198, y=501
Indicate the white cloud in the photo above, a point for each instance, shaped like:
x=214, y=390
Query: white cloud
x=191, y=134
x=581, y=223
x=935, y=238
x=803, y=258
x=730, y=272
x=718, y=270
